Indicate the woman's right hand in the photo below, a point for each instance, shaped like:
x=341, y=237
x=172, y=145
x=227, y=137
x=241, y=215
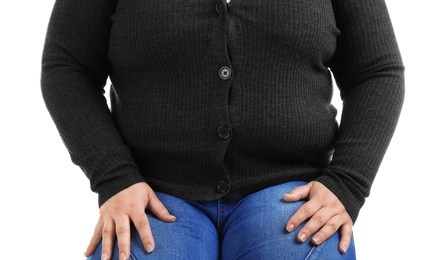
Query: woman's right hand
x=118, y=212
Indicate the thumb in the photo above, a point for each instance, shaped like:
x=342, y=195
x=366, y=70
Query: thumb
x=159, y=210
x=299, y=193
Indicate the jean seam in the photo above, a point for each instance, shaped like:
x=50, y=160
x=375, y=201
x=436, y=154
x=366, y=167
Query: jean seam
x=310, y=253
x=219, y=215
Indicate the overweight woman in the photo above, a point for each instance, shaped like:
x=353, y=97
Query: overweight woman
x=220, y=141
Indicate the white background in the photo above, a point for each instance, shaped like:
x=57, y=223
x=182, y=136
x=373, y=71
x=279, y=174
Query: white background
x=48, y=211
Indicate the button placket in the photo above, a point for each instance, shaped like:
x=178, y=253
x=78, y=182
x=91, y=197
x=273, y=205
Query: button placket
x=223, y=70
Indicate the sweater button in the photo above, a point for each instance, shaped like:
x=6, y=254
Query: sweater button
x=223, y=187
x=225, y=73
x=224, y=132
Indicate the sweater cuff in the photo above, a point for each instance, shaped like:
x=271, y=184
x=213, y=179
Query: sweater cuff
x=127, y=176
x=349, y=195
x=110, y=172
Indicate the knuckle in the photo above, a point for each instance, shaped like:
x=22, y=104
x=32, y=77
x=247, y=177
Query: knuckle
x=122, y=230
x=306, y=211
x=318, y=219
x=333, y=226
x=142, y=224
x=106, y=231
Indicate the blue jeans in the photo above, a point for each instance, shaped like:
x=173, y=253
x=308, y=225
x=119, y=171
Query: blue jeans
x=250, y=228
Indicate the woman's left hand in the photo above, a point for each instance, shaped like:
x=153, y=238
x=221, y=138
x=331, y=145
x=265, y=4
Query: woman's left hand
x=324, y=212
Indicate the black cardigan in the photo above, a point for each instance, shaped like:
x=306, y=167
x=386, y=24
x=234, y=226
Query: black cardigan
x=213, y=100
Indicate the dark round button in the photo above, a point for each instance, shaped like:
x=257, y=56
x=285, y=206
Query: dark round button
x=223, y=187
x=224, y=132
x=220, y=8
x=225, y=73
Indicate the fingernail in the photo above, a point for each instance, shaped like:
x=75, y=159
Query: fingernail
x=173, y=217
x=104, y=256
x=290, y=228
x=288, y=196
x=149, y=248
x=122, y=256
x=316, y=240
x=343, y=249
x=302, y=237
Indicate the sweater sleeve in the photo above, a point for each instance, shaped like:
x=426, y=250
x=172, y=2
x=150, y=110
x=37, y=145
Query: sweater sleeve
x=74, y=72
x=369, y=72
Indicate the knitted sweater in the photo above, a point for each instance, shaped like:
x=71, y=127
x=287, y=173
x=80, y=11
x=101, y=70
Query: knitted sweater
x=214, y=100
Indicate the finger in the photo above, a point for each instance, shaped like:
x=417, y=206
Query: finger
x=123, y=236
x=159, y=210
x=304, y=213
x=317, y=222
x=142, y=225
x=299, y=193
x=95, y=239
x=327, y=230
x=346, y=234
x=108, y=233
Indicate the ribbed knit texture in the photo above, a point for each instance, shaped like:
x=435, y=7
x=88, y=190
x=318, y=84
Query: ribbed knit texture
x=169, y=102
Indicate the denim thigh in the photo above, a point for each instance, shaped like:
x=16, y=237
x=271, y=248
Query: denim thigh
x=191, y=236
x=256, y=230
x=250, y=228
